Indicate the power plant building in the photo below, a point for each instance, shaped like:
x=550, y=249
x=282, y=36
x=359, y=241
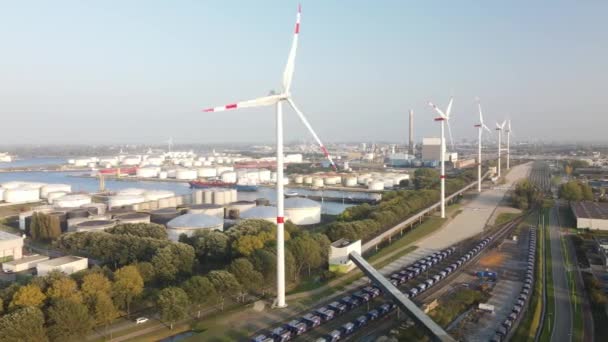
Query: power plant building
x=431, y=149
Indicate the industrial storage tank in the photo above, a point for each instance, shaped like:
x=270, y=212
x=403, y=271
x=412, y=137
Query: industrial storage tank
x=267, y=213
x=95, y=208
x=303, y=211
x=207, y=172
x=147, y=172
x=208, y=197
x=376, y=185
x=155, y=195
x=131, y=161
x=133, y=218
x=186, y=174
x=233, y=195
x=46, y=189
x=131, y=191
x=318, y=182
x=78, y=213
x=62, y=218
x=350, y=181
x=235, y=209
x=51, y=196
x=94, y=225
x=207, y=209
x=189, y=223
x=221, y=197
x=155, y=161
x=72, y=201
x=388, y=183
x=164, y=215
x=222, y=169
x=298, y=179
x=22, y=194
x=229, y=177
x=307, y=180
x=120, y=200
x=162, y=175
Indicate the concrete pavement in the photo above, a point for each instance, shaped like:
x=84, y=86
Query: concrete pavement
x=561, y=322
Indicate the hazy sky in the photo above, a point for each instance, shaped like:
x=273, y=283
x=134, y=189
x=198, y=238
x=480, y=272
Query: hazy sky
x=140, y=71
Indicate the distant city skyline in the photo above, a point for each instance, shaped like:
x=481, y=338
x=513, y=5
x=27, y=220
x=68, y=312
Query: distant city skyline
x=116, y=72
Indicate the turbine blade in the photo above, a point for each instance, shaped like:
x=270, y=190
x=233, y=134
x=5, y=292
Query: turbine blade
x=480, y=113
x=449, y=109
x=259, y=102
x=312, y=132
x=450, y=134
x=439, y=111
x=486, y=127
x=291, y=59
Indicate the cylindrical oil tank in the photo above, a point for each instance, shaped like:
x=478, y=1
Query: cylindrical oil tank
x=376, y=185
x=114, y=212
x=46, y=189
x=72, y=201
x=308, y=180
x=147, y=172
x=207, y=172
x=234, y=195
x=264, y=176
x=229, y=177
x=51, y=196
x=197, y=195
x=329, y=181
x=21, y=195
x=298, y=179
x=207, y=197
x=94, y=225
x=155, y=195
x=241, y=206
x=350, y=181
x=162, y=175
x=207, y=209
x=134, y=218
x=262, y=202
x=302, y=211
x=219, y=197
x=78, y=212
x=189, y=223
x=318, y=182
x=95, y=208
x=186, y=163
x=164, y=215
x=120, y=200
x=131, y=191
x=267, y=213
x=186, y=174
x=388, y=183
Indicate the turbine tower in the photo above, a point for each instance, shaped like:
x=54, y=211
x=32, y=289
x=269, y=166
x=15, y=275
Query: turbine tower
x=499, y=128
x=508, y=144
x=277, y=100
x=443, y=117
x=410, y=150
x=480, y=127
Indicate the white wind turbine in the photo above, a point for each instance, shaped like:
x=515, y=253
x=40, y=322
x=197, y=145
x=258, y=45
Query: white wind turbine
x=499, y=128
x=480, y=127
x=443, y=117
x=277, y=100
x=508, y=130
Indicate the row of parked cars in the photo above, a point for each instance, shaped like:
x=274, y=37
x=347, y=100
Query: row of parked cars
x=328, y=312
x=503, y=330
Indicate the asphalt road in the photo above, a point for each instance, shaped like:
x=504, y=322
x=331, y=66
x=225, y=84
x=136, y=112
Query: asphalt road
x=562, y=321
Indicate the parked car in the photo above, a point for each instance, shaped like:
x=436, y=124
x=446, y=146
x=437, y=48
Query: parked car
x=311, y=320
x=337, y=307
x=361, y=321
x=333, y=336
x=281, y=334
x=141, y=320
x=325, y=313
x=262, y=338
x=297, y=327
x=347, y=328
x=362, y=296
x=373, y=314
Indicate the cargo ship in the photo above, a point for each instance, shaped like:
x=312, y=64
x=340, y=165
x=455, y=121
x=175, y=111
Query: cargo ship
x=119, y=170
x=219, y=184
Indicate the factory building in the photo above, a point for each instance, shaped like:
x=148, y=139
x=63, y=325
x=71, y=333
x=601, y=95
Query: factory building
x=590, y=215
x=431, y=149
x=24, y=263
x=11, y=246
x=67, y=264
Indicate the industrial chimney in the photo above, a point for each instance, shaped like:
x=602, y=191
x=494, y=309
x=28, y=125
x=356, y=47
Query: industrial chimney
x=411, y=146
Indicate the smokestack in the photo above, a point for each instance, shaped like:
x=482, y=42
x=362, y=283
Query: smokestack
x=411, y=146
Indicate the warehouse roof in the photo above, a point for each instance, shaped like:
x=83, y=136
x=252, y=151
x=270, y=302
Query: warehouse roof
x=27, y=259
x=61, y=260
x=592, y=210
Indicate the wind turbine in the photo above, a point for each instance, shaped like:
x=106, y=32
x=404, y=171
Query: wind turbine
x=480, y=127
x=499, y=128
x=508, y=144
x=443, y=117
x=277, y=100
x=170, y=143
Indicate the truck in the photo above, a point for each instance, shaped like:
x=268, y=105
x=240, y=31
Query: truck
x=486, y=307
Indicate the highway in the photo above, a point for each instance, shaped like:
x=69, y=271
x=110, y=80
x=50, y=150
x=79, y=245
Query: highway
x=561, y=322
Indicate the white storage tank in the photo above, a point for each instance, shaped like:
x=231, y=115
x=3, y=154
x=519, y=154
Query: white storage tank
x=186, y=174
x=229, y=177
x=131, y=161
x=308, y=180
x=330, y=181
x=95, y=208
x=207, y=197
x=46, y=189
x=219, y=197
x=221, y=169
x=162, y=175
x=147, y=172
x=264, y=176
x=186, y=163
x=120, y=200
x=133, y=218
x=298, y=179
x=189, y=223
x=267, y=213
x=155, y=195
x=155, y=161
x=350, y=181
x=131, y=191
x=207, y=209
x=240, y=207
x=303, y=211
x=51, y=196
x=72, y=201
x=207, y=172
x=22, y=194
x=376, y=185
x=318, y=182
x=388, y=183
x=94, y=225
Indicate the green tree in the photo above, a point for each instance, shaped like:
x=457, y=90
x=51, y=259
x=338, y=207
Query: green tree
x=128, y=284
x=225, y=285
x=164, y=264
x=45, y=227
x=28, y=295
x=245, y=274
x=425, y=178
x=25, y=324
x=64, y=288
x=95, y=283
x=148, y=230
x=172, y=303
x=147, y=271
x=306, y=253
x=69, y=321
x=209, y=245
x=575, y=191
x=200, y=291
x=104, y=310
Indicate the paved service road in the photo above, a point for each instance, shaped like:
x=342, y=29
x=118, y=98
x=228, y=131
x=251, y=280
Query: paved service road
x=562, y=320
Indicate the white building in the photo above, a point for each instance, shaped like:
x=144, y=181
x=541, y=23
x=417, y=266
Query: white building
x=24, y=263
x=590, y=215
x=338, y=255
x=431, y=148
x=67, y=264
x=11, y=246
